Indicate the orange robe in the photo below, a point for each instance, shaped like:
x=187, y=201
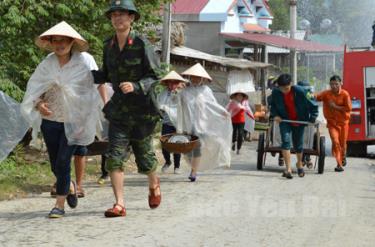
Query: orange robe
x=337, y=120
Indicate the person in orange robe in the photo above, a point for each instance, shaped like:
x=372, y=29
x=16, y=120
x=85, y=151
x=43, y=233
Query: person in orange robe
x=336, y=109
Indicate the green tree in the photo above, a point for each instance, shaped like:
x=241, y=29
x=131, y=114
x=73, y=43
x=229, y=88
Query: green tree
x=280, y=10
x=21, y=21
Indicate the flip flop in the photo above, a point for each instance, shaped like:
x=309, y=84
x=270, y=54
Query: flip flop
x=192, y=177
x=300, y=172
x=287, y=175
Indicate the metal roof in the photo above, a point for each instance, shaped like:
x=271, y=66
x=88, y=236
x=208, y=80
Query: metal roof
x=254, y=28
x=225, y=61
x=188, y=6
x=282, y=42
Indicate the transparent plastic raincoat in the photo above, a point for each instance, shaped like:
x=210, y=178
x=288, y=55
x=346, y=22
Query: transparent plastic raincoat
x=13, y=125
x=195, y=111
x=80, y=97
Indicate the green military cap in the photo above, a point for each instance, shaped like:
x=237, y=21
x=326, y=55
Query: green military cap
x=122, y=5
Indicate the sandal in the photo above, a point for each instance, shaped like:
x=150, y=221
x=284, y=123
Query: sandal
x=80, y=193
x=287, y=175
x=153, y=199
x=300, y=172
x=72, y=198
x=192, y=177
x=115, y=212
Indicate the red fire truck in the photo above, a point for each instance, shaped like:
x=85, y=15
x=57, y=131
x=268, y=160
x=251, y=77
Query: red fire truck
x=359, y=81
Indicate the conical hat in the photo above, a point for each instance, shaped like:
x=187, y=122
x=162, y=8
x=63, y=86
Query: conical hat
x=239, y=91
x=61, y=29
x=172, y=76
x=197, y=70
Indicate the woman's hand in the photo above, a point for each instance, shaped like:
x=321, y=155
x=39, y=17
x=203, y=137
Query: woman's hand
x=126, y=87
x=43, y=109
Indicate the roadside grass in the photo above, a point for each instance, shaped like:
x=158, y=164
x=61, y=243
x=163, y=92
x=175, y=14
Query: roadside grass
x=26, y=172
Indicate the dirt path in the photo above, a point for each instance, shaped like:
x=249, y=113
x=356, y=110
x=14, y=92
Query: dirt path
x=226, y=207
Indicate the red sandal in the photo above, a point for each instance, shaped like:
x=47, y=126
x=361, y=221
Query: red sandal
x=154, y=200
x=115, y=212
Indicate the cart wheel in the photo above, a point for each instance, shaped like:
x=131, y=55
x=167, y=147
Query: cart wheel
x=260, y=152
x=322, y=154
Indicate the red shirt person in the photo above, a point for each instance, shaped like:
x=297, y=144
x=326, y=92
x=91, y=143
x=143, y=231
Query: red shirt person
x=238, y=107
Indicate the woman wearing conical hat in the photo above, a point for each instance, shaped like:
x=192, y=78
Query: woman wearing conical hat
x=62, y=101
x=174, y=83
x=238, y=107
x=207, y=119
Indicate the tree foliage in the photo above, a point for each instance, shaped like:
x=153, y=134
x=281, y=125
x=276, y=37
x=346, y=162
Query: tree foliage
x=351, y=19
x=280, y=10
x=21, y=21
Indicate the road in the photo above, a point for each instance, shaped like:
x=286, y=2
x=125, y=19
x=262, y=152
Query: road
x=239, y=206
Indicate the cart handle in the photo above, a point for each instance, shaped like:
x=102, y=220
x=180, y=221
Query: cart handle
x=299, y=122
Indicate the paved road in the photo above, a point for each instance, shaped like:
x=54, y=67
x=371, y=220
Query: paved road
x=239, y=206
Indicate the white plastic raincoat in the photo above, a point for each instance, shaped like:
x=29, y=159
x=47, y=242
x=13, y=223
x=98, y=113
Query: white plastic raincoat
x=195, y=111
x=80, y=97
x=13, y=126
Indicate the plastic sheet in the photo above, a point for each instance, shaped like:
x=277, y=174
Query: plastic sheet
x=308, y=136
x=80, y=97
x=240, y=81
x=195, y=111
x=13, y=126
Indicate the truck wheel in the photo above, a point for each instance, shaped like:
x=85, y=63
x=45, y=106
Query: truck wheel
x=356, y=149
x=260, y=152
x=322, y=154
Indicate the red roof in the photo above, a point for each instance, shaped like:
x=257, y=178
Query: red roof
x=188, y=6
x=282, y=42
x=254, y=28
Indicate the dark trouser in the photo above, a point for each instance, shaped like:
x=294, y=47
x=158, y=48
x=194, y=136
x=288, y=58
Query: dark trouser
x=238, y=129
x=168, y=129
x=59, y=152
x=80, y=151
x=102, y=167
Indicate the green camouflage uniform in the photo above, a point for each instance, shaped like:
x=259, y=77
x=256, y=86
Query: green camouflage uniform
x=132, y=116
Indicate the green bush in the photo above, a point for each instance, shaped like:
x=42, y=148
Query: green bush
x=11, y=89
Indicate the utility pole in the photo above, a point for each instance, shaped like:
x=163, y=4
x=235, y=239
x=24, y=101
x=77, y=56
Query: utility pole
x=293, y=30
x=166, y=40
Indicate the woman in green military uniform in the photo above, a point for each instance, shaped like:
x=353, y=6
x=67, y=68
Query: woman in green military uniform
x=129, y=63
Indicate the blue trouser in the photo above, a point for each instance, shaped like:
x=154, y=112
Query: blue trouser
x=293, y=134
x=59, y=152
x=81, y=151
x=168, y=129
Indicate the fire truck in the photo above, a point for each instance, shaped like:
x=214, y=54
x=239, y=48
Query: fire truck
x=359, y=81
